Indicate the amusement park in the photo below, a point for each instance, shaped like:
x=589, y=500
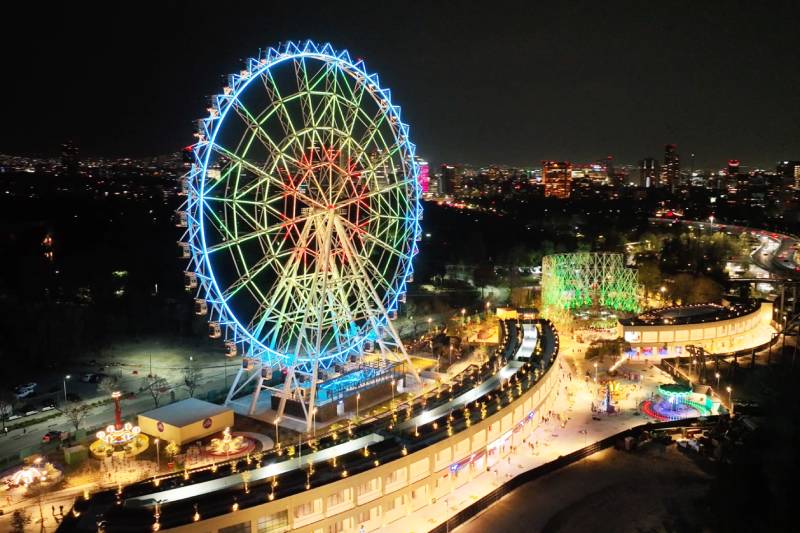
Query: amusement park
x=317, y=387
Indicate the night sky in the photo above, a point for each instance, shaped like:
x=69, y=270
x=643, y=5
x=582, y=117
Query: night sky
x=496, y=84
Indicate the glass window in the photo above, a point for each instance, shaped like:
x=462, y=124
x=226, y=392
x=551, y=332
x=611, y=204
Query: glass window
x=274, y=523
x=242, y=527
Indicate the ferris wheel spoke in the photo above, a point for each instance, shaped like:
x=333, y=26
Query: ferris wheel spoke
x=266, y=177
x=274, y=93
x=249, y=277
x=375, y=240
x=257, y=132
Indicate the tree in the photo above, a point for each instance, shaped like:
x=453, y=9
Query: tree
x=650, y=275
x=19, y=520
x=191, y=378
x=75, y=413
x=6, y=405
x=172, y=449
x=156, y=387
x=107, y=385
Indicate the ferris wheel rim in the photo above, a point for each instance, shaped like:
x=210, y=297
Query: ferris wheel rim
x=240, y=332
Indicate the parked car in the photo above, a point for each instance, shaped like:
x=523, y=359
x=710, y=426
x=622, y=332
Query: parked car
x=49, y=402
x=51, y=436
x=25, y=390
x=87, y=378
x=24, y=393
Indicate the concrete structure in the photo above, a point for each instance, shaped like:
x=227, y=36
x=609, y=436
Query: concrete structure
x=716, y=328
x=186, y=421
x=399, y=488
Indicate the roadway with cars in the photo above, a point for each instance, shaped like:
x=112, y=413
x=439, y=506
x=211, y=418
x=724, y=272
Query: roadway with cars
x=777, y=253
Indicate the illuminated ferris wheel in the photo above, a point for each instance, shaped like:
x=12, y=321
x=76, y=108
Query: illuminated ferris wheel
x=302, y=218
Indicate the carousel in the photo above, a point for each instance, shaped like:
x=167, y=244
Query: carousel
x=123, y=438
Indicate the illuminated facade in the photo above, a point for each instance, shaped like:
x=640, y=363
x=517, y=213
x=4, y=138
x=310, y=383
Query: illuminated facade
x=557, y=179
x=580, y=280
x=671, y=169
x=715, y=328
x=423, y=177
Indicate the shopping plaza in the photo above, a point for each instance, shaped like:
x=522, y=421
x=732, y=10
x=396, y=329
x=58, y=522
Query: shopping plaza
x=718, y=328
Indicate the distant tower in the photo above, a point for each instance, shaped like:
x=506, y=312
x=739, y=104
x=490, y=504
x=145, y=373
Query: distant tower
x=424, y=175
x=733, y=167
x=557, y=178
x=671, y=169
x=69, y=158
x=449, y=181
x=648, y=172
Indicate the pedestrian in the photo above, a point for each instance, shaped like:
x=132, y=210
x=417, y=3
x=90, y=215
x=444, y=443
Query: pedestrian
x=53, y=507
x=61, y=510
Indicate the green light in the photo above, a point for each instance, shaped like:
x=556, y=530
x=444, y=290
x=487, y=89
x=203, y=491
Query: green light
x=575, y=281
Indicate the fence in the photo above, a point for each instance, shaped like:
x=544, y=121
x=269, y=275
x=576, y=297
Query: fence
x=533, y=474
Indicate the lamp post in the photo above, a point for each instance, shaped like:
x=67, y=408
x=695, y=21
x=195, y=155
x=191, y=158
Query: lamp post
x=314, y=422
x=463, y=313
x=488, y=307
x=391, y=406
x=65, y=387
x=430, y=321
x=158, y=455
x=358, y=397
x=277, y=435
x=595, y=372
x=716, y=375
x=730, y=397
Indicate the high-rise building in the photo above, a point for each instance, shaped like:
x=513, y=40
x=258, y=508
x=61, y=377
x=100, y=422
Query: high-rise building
x=733, y=167
x=423, y=178
x=449, y=180
x=790, y=171
x=671, y=169
x=69, y=158
x=557, y=178
x=648, y=172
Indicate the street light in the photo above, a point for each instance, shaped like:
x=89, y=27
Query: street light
x=158, y=455
x=392, y=404
x=65, y=387
x=277, y=435
x=595, y=371
x=730, y=397
x=430, y=321
x=463, y=312
x=716, y=375
x=314, y=422
x=358, y=397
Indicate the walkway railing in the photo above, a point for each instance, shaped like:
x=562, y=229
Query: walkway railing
x=533, y=474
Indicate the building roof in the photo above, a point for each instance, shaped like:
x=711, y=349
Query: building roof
x=185, y=412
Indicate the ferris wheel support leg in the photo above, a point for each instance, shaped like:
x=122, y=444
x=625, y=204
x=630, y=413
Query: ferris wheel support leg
x=233, y=389
x=312, y=400
x=287, y=388
x=257, y=391
x=356, y=260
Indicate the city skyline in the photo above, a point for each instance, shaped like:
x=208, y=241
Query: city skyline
x=510, y=86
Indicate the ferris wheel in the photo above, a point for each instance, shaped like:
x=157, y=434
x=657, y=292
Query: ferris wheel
x=302, y=217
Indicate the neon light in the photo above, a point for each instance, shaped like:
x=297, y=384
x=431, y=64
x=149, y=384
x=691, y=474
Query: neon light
x=303, y=143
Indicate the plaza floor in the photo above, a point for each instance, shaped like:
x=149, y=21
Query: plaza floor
x=570, y=427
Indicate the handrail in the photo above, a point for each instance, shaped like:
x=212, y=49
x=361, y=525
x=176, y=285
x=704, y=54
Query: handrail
x=533, y=474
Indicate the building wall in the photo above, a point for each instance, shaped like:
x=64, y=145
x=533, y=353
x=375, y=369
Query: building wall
x=188, y=433
x=396, y=489
x=718, y=336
